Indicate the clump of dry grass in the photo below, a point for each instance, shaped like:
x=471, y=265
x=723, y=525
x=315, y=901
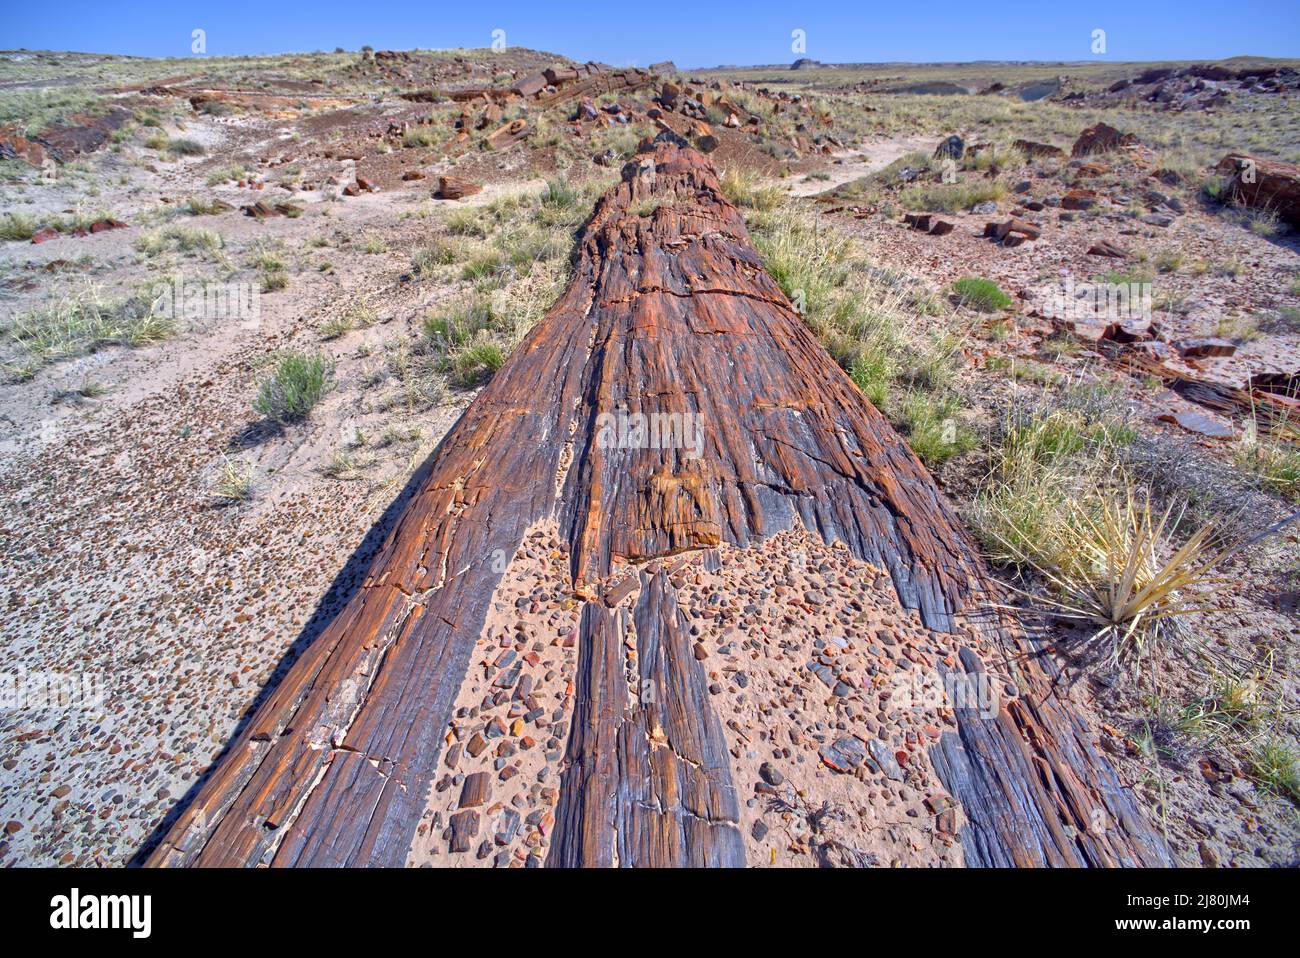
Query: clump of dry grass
x=1057, y=504
x=744, y=187
x=88, y=320
x=234, y=482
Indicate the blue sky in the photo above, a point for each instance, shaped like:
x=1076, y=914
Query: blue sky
x=694, y=34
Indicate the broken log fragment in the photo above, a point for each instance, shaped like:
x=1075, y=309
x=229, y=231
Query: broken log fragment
x=1270, y=185
x=1105, y=247
x=1012, y=232
x=454, y=188
x=670, y=314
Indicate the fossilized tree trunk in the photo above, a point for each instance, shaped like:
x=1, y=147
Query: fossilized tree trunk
x=669, y=311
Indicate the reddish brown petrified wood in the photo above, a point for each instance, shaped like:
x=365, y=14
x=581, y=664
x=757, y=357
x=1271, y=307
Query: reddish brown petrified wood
x=669, y=311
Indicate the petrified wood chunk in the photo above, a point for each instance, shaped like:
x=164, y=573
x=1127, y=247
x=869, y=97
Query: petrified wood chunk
x=1012, y=232
x=1037, y=150
x=454, y=188
x=508, y=133
x=1100, y=138
x=1106, y=248
x=1271, y=185
x=671, y=313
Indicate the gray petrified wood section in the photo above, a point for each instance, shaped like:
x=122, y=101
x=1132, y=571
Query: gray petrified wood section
x=649, y=778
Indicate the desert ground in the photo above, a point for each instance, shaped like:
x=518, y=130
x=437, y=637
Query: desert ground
x=188, y=496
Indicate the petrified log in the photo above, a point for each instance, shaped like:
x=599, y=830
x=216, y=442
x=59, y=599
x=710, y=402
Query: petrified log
x=508, y=133
x=1038, y=150
x=1264, y=387
x=454, y=188
x=669, y=312
x=1270, y=185
x=1011, y=232
x=1100, y=138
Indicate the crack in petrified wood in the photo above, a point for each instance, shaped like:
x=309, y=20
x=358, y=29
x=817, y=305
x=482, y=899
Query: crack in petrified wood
x=669, y=312
x=648, y=782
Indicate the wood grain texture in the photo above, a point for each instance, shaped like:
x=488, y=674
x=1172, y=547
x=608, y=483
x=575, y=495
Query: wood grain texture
x=649, y=779
x=669, y=311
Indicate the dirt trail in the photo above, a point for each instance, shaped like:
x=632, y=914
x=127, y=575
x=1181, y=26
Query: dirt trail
x=867, y=159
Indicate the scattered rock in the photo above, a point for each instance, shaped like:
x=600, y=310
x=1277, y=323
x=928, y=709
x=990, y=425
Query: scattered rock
x=1100, y=138
x=884, y=760
x=454, y=188
x=952, y=148
x=1107, y=248
x=844, y=754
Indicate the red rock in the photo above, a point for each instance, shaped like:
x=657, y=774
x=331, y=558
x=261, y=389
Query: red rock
x=412, y=175
x=1078, y=200
x=1107, y=248
x=1012, y=232
x=1037, y=150
x=1100, y=138
x=454, y=188
x=13, y=146
x=45, y=235
x=1264, y=184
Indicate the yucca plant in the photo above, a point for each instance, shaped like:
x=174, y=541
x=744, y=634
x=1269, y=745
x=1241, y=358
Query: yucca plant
x=1107, y=573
